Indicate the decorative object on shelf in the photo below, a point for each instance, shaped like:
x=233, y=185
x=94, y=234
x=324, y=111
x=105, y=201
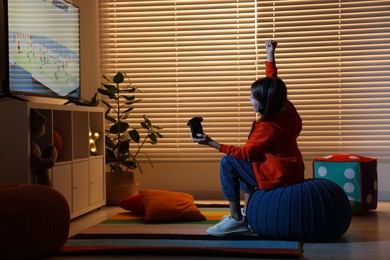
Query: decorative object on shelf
x=93, y=102
x=93, y=136
x=57, y=141
x=41, y=161
x=119, y=156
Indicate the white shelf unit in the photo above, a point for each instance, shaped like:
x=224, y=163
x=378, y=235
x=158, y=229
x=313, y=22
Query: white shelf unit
x=77, y=174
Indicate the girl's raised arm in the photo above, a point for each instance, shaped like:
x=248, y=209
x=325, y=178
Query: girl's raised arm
x=270, y=68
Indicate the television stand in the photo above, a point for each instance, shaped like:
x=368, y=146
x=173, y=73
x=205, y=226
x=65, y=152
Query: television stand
x=9, y=95
x=77, y=174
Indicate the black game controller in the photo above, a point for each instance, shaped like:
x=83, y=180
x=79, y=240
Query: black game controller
x=196, y=126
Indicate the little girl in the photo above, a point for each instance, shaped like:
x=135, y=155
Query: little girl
x=269, y=159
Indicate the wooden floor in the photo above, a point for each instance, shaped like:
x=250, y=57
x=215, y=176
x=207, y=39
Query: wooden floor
x=367, y=238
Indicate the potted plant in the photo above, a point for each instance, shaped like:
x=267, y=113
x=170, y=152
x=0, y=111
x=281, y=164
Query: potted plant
x=123, y=143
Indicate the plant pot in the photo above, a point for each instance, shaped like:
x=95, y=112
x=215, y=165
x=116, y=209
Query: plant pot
x=120, y=186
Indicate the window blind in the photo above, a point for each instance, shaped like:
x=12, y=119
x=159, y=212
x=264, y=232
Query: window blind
x=199, y=58
x=334, y=57
x=189, y=58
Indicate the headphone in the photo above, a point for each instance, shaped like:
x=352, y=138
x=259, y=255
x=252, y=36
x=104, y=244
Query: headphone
x=264, y=96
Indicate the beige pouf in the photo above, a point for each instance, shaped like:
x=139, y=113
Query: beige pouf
x=34, y=221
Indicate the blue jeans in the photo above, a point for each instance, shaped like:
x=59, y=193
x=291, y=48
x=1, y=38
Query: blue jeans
x=236, y=175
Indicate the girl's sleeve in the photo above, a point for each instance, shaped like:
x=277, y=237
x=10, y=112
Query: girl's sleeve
x=254, y=147
x=270, y=69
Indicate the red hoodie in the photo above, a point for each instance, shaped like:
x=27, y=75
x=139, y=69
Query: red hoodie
x=272, y=147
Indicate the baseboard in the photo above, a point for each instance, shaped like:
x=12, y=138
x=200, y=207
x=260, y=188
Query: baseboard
x=384, y=195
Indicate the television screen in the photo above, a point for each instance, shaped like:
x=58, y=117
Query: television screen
x=3, y=51
x=44, y=48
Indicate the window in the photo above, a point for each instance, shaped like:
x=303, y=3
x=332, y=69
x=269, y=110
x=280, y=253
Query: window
x=198, y=58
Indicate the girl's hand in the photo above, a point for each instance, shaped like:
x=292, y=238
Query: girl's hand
x=206, y=140
x=270, y=46
x=202, y=139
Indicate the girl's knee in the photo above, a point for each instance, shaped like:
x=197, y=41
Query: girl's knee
x=226, y=159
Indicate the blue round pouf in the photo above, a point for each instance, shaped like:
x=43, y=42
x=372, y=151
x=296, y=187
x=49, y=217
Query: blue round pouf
x=311, y=211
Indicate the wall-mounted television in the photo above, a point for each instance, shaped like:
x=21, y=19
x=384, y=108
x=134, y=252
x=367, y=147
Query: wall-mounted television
x=3, y=48
x=42, y=48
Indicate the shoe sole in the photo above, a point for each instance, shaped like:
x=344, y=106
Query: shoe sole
x=242, y=232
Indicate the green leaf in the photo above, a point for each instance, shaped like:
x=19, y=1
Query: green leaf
x=128, y=110
x=107, y=78
x=147, y=121
x=108, y=105
x=123, y=157
x=110, y=144
x=119, y=127
x=119, y=78
x=153, y=138
x=124, y=146
x=110, y=156
x=128, y=97
x=94, y=100
x=134, y=135
x=129, y=90
x=132, y=102
x=144, y=125
x=124, y=115
x=111, y=119
x=110, y=87
x=104, y=92
x=130, y=164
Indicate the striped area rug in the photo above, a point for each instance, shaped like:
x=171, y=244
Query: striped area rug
x=128, y=233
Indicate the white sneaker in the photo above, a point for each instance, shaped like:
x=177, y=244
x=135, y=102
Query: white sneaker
x=229, y=226
x=243, y=213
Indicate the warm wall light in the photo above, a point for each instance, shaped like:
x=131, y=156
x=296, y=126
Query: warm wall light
x=93, y=136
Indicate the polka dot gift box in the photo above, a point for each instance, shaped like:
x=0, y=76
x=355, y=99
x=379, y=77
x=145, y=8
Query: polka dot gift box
x=355, y=174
